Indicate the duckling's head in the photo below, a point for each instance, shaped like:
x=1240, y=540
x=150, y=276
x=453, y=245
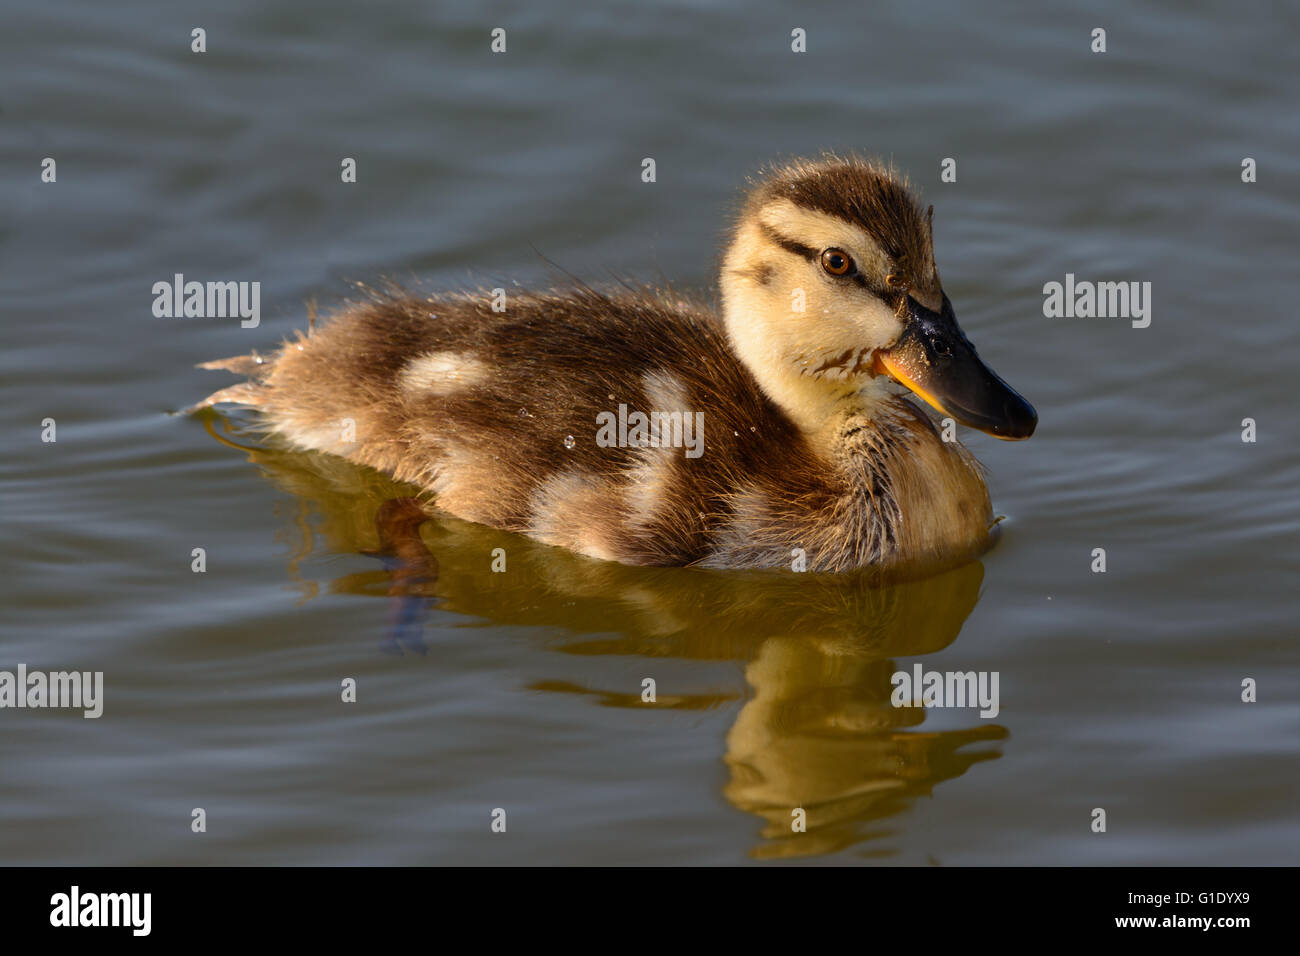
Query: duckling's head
x=830, y=291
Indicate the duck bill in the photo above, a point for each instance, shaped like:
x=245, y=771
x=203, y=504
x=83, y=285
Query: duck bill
x=935, y=360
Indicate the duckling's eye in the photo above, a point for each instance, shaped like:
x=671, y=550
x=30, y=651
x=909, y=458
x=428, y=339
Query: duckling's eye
x=837, y=263
x=896, y=280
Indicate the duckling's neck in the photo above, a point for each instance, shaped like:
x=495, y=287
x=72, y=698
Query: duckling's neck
x=816, y=404
x=819, y=407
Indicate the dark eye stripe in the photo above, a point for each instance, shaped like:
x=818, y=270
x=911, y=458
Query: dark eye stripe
x=813, y=256
x=790, y=245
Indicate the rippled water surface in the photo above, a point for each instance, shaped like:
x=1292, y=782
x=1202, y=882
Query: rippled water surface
x=522, y=690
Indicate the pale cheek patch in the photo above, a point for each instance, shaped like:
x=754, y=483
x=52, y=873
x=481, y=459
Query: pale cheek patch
x=878, y=324
x=850, y=318
x=442, y=373
x=838, y=332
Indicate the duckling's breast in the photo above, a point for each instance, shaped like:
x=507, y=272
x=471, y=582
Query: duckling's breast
x=943, y=512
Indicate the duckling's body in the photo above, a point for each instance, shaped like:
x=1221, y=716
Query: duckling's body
x=499, y=416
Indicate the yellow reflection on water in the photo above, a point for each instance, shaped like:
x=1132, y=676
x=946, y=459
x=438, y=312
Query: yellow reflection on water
x=816, y=729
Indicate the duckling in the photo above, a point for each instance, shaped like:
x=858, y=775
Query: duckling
x=806, y=452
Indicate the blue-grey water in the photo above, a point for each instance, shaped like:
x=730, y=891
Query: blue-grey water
x=522, y=691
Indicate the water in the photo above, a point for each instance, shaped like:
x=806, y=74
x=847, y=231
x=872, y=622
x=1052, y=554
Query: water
x=522, y=690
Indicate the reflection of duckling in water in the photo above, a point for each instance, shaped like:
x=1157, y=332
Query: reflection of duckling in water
x=412, y=567
x=819, y=734
x=830, y=296
x=816, y=732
